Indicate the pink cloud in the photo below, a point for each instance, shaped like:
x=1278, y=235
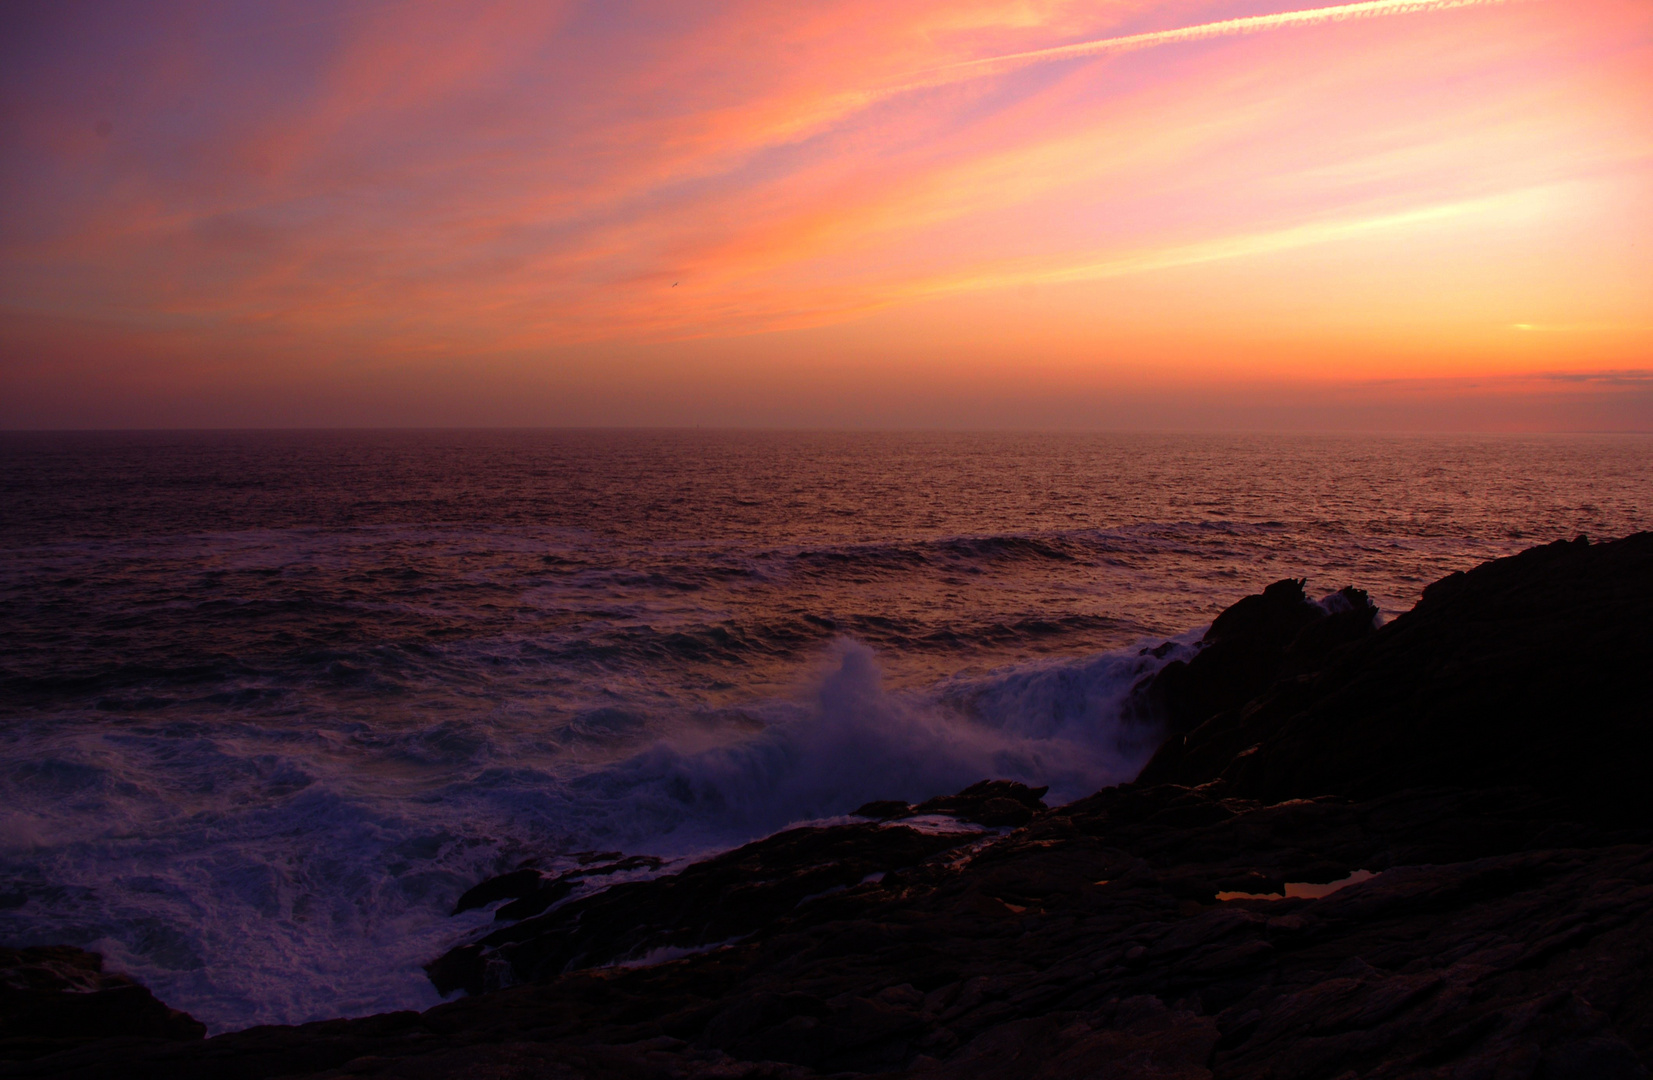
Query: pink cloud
x=480, y=185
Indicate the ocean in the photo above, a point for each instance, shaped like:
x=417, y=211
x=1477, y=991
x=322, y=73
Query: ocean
x=269, y=702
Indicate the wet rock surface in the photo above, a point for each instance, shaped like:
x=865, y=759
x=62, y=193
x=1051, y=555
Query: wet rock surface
x=713, y=902
x=1479, y=757
x=57, y=998
x=990, y=802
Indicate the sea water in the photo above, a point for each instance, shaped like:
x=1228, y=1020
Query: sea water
x=270, y=701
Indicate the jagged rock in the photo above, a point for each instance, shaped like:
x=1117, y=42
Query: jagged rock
x=720, y=900
x=1250, y=645
x=988, y=802
x=512, y=886
x=531, y=891
x=55, y=997
x=883, y=810
x=1525, y=672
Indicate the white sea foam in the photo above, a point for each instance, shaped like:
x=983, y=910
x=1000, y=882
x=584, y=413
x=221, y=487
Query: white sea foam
x=254, y=876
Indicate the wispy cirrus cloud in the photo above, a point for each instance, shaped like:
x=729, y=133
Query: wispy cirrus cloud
x=1250, y=24
x=500, y=182
x=835, y=108
x=986, y=66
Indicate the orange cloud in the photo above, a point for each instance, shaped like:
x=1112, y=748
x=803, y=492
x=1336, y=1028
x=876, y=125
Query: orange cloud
x=1393, y=185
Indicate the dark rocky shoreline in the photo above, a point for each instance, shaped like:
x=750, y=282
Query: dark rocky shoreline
x=1476, y=770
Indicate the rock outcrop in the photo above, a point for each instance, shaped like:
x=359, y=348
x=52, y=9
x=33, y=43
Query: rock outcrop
x=1247, y=649
x=1528, y=672
x=719, y=900
x=57, y=998
x=1421, y=850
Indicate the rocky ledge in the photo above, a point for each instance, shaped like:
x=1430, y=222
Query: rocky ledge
x=1420, y=850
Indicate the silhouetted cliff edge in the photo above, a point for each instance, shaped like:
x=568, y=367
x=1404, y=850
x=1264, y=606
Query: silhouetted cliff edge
x=1473, y=775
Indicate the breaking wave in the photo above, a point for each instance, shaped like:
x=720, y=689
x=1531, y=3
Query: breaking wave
x=255, y=875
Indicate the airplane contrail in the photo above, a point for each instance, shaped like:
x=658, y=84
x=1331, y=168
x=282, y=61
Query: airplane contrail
x=1250, y=24
x=846, y=103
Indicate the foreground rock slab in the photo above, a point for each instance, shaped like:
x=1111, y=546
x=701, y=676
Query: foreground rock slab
x=57, y=998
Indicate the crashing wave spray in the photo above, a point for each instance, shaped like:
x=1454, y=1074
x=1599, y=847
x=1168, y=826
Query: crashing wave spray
x=1057, y=724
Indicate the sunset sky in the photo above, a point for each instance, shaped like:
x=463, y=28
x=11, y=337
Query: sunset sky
x=868, y=213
